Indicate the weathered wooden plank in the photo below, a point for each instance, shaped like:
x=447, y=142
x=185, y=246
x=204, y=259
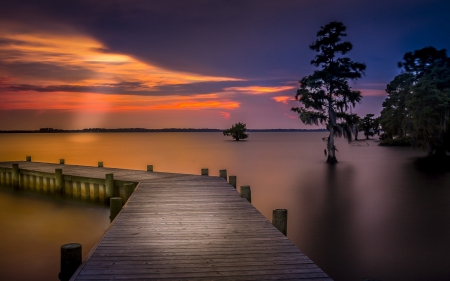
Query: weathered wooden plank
x=212, y=275
x=194, y=262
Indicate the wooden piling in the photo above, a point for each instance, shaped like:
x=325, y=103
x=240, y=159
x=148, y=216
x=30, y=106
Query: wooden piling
x=115, y=205
x=109, y=186
x=232, y=181
x=39, y=183
x=246, y=193
x=28, y=158
x=149, y=168
x=70, y=260
x=15, y=176
x=223, y=174
x=62, y=161
x=95, y=194
x=59, y=181
x=100, y=164
x=22, y=180
x=128, y=190
x=84, y=190
x=205, y=172
x=279, y=220
x=33, y=182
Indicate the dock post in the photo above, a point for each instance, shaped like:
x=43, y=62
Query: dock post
x=223, y=174
x=115, y=205
x=62, y=161
x=205, y=172
x=246, y=193
x=128, y=188
x=279, y=220
x=232, y=181
x=149, y=168
x=28, y=158
x=100, y=164
x=70, y=260
x=15, y=176
x=109, y=186
x=59, y=181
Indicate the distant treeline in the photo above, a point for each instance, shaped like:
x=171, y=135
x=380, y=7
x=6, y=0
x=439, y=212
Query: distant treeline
x=136, y=130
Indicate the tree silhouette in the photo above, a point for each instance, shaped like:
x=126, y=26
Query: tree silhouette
x=394, y=118
x=237, y=131
x=418, y=104
x=326, y=94
x=367, y=125
x=351, y=124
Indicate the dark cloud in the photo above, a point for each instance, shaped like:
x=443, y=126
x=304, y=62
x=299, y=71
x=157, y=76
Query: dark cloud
x=250, y=39
x=45, y=71
x=137, y=88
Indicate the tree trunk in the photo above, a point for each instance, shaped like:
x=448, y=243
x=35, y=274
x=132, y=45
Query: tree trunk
x=331, y=123
x=331, y=160
x=331, y=147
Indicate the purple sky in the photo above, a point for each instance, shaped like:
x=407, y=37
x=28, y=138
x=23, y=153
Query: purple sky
x=198, y=64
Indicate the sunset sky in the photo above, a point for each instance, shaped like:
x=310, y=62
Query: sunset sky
x=192, y=64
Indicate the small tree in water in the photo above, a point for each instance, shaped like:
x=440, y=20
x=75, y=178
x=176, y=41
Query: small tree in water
x=367, y=125
x=325, y=94
x=237, y=131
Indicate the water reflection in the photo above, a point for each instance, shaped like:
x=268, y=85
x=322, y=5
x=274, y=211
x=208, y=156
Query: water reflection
x=373, y=215
x=34, y=226
x=82, y=138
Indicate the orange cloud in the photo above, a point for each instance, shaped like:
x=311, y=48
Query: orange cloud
x=72, y=50
x=60, y=60
x=283, y=99
x=225, y=115
x=229, y=105
x=258, y=90
x=105, y=103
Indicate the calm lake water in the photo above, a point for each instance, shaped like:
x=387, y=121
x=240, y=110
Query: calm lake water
x=373, y=215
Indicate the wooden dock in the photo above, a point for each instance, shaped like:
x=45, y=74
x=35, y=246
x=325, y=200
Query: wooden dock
x=178, y=226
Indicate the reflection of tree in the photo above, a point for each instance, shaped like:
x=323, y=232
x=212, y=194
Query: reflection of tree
x=360, y=143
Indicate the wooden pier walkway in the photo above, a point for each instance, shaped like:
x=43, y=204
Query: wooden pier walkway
x=186, y=227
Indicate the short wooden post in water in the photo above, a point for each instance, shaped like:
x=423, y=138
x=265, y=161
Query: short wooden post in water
x=279, y=220
x=223, y=174
x=100, y=164
x=115, y=205
x=232, y=181
x=149, y=168
x=62, y=161
x=70, y=260
x=15, y=176
x=59, y=181
x=205, y=172
x=28, y=158
x=128, y=190
x=246, y=193
x=109, y=186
